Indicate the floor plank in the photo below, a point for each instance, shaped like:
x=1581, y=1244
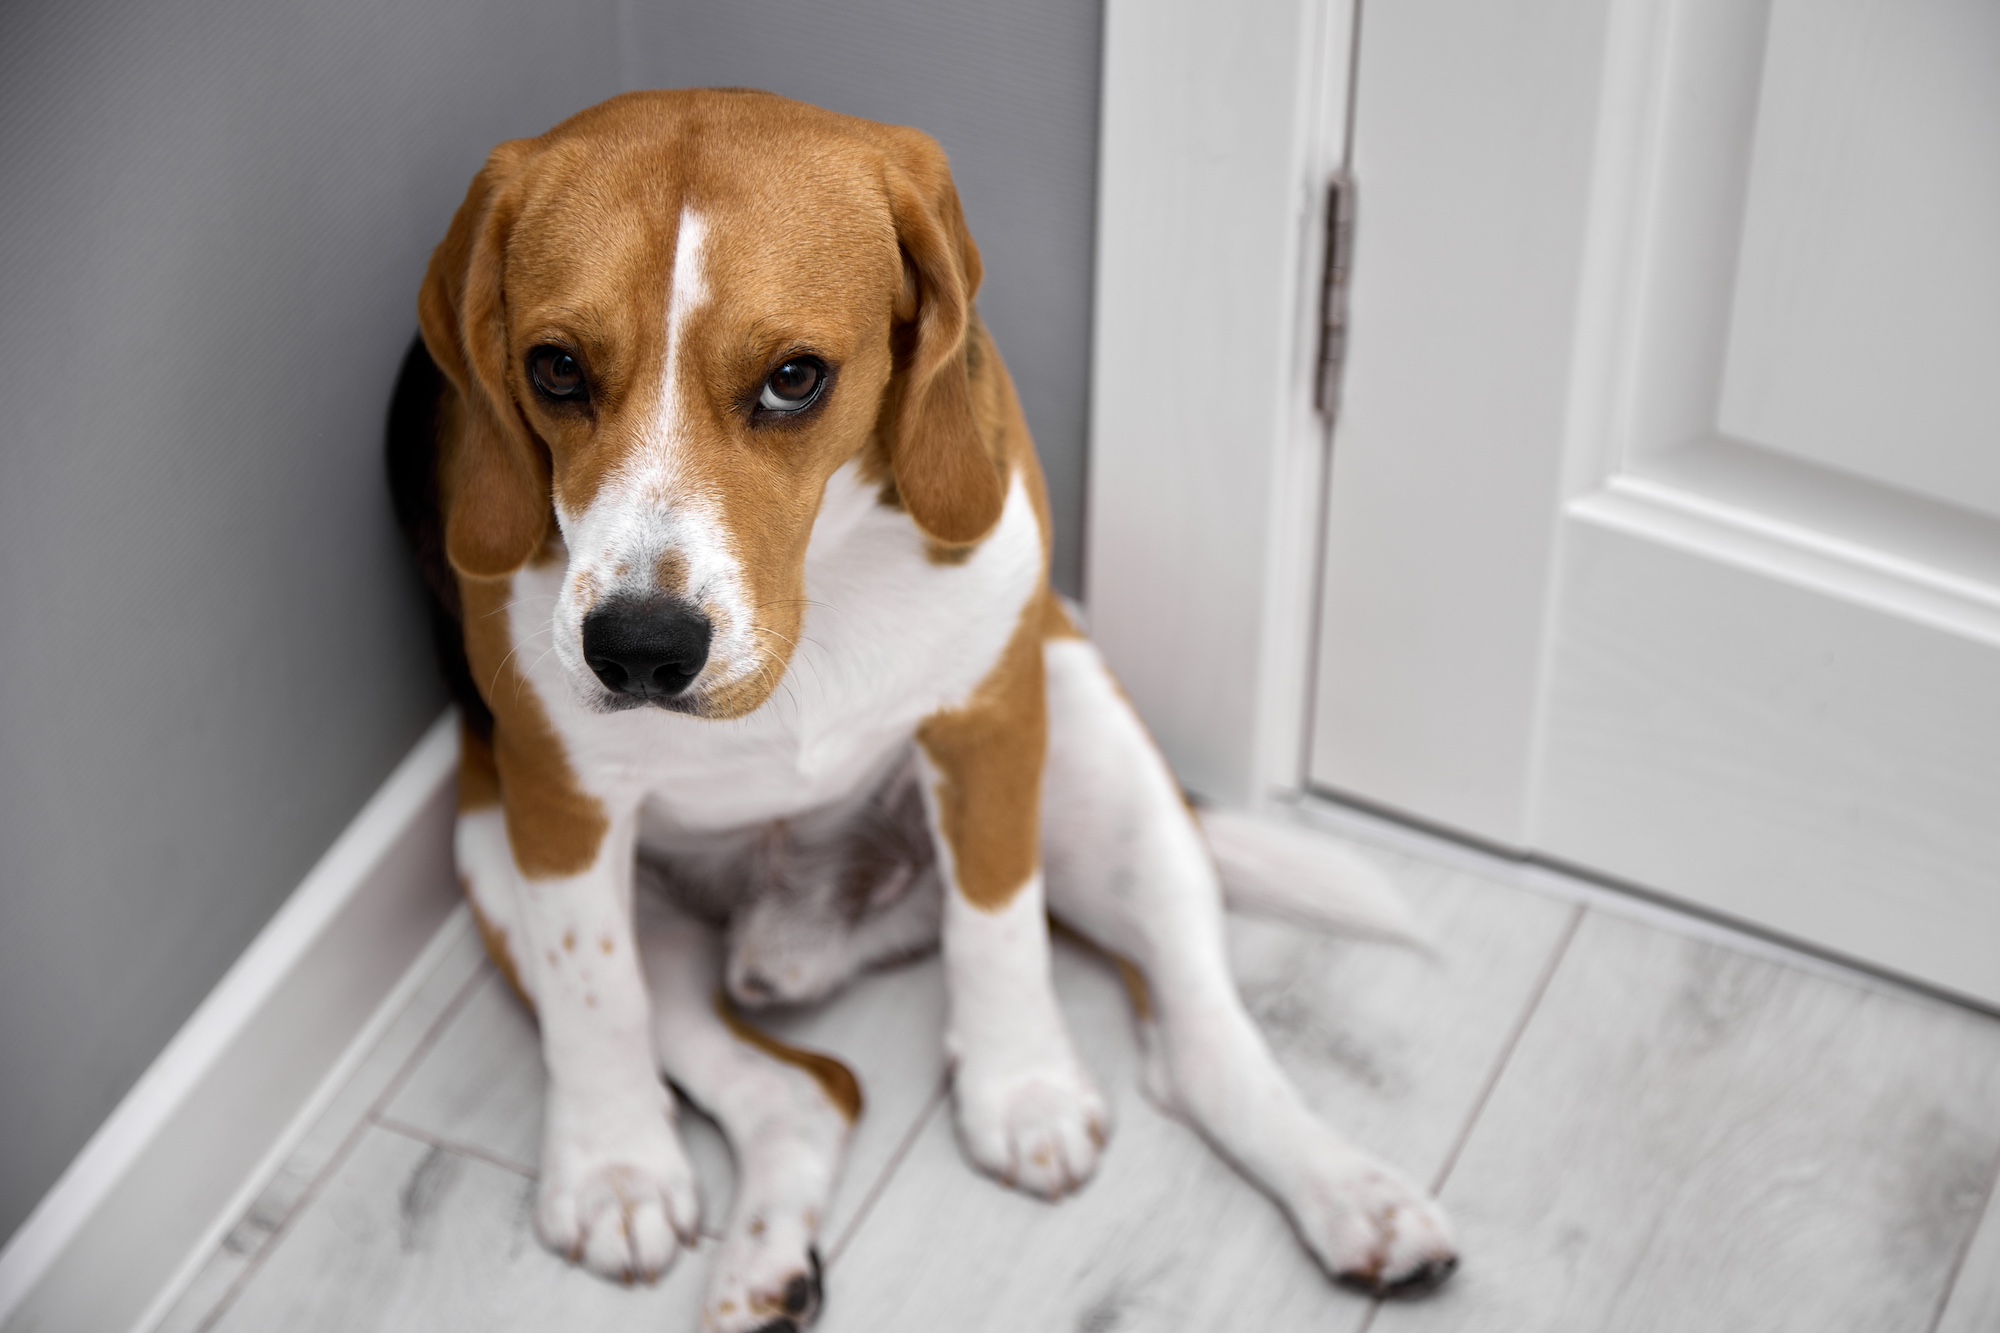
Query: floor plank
x=407, y=1236
x=1394, y=1046
x=1688, y=1138
x=1973, y=1305
x=481, y=1086
x=457, y=962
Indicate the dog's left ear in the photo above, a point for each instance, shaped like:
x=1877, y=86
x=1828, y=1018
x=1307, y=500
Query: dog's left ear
x=497, y=482
x=947, y=478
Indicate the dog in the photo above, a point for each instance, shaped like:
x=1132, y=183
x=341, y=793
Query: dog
x=738, y=551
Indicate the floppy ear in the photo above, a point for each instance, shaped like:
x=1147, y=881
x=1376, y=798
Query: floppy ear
x=946, y=477
x=496, y=478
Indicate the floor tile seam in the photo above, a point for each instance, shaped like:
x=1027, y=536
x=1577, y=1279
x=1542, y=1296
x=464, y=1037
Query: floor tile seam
x=1507, y=1049
x=277, y=1234
x=1492, y=1081
x=472, y=1151
x=340, y=1154
x=1979, y=1220
x=889, y=1170
x=429, y=1041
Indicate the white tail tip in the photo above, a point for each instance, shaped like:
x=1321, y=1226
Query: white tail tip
x=1274, y=869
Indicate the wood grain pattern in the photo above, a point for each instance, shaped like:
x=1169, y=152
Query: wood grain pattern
x=413, y=1237
x=1682, y=1136
x=402, y=1041
x=1391, y=1045
x=1688, y=1138
x=1974, y=1303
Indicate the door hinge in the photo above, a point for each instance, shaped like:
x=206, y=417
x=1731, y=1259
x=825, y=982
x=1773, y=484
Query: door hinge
x=1333, y=293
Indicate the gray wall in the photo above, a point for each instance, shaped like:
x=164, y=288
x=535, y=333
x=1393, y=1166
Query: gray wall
x=213, y=218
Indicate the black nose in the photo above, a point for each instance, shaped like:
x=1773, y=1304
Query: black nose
x=650, y=648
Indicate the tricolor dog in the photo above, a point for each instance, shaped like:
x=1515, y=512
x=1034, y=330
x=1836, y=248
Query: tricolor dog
x=741, y=550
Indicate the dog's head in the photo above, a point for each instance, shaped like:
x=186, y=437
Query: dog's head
x=668, y=322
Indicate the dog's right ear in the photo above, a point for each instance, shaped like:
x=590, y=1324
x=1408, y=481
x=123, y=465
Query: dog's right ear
x=496, y=482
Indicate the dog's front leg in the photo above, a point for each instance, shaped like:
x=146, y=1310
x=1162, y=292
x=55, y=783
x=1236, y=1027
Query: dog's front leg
x=616, y=1191
x=1027, y=1110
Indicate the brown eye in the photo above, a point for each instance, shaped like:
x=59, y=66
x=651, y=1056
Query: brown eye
x=558, y=375
x=794, y=385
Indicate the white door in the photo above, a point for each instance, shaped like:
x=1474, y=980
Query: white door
x=1663, y=529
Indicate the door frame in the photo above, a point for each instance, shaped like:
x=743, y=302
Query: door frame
x=1220, y=127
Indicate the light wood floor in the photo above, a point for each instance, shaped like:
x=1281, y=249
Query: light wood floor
x=1640, y=1123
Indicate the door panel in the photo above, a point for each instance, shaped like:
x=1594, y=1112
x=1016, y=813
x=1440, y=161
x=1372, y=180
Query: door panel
x=1863, y=334
x=1663, y=535
x=1441, y=517
x=1758, y=747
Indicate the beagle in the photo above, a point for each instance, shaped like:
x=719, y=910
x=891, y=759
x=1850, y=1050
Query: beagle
x=738, y=541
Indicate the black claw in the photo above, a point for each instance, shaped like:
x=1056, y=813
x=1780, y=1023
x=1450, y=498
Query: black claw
x=802, y=1293
x=1424, y=1280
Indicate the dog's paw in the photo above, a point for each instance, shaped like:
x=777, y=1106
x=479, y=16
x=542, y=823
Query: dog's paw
x=1040, y=1128
x=766, y=1275
x=771, y=1288
x=617, y=1194
x=1375, y=1231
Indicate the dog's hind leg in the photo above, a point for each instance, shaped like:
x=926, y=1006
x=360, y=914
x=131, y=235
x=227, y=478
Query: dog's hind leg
x=1126, y=868
x=786, y=1112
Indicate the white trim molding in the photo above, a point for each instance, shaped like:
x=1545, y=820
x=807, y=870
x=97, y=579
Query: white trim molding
x=235, y=1080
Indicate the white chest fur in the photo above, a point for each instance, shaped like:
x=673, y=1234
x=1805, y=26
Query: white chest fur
x=889, y=638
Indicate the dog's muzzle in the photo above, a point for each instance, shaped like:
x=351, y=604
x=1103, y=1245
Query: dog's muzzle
x=646, y=647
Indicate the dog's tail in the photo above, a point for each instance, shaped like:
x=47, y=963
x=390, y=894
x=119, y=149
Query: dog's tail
x=1280, y=870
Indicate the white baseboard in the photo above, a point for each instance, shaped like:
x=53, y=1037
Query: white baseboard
x=170, y=1161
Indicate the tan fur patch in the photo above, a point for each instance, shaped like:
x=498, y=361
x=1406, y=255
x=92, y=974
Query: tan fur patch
x=478, y=779
x=835, y=1079
x=989, y=758
x=553, y=826
x=670, y=574
x=1057, y=623
x=940, y=554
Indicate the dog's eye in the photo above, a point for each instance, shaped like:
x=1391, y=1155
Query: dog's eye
x=794, y=385
x=558, y=375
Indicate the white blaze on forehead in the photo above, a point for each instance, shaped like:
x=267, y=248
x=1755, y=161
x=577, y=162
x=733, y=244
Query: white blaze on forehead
x=687, y=293
x=689, y=290
x=651, y=506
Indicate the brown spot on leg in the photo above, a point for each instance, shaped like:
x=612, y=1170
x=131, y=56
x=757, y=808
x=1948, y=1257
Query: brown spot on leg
x=835, y=1079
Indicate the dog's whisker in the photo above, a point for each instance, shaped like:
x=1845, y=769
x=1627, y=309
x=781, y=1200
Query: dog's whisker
x=522, y=601
x=494, y=684
x=522, y=678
